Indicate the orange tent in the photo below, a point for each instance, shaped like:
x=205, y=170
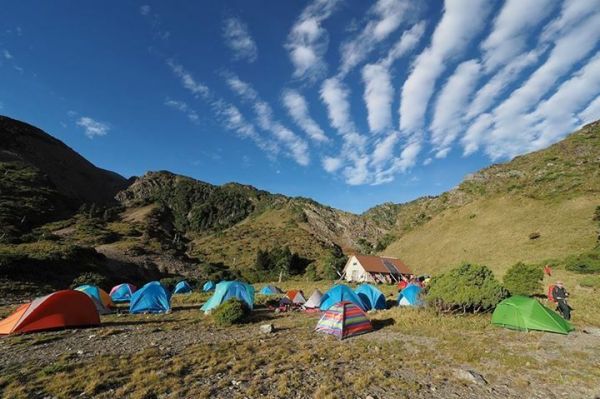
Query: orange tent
x=292, y=294
x=58, y=310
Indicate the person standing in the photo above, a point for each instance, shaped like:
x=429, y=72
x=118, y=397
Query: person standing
x=560, y=295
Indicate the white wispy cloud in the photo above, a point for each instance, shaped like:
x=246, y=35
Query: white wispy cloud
x=7, y=55
x=238, y=39
x=145, y=10
x=591, y=113
x=378, y=96
x=297, y=107
x=462, y=20
x=335, y=96
x=379, y=92
x=557, y=115
x=510, y=117
x=93, y=128
x=511, y=29
x=307, y=41
x=297, y=147
x=331, y=164
x=234, y=120
x=384, y=17
x=450, y=105
x=187, y=80
x=183, y=107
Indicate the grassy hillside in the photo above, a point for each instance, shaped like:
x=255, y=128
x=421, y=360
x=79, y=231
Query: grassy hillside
x=496, y=232
x=488, y=218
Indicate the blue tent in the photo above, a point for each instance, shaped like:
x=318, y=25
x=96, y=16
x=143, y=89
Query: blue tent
x=182, y=287
x=151, y=298
x=208, y=286
x=122, y=292
x=339, y=293
x=409, y=296
x=230, y=289
x=371, y=297
x=270, y=290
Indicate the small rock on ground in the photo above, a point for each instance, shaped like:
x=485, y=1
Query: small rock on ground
x=470, y=376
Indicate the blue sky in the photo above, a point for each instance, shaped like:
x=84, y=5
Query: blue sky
x=352, y=103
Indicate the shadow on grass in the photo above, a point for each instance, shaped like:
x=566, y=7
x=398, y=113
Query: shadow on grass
x=379, y=324
x=186, y=307
x=122, y=323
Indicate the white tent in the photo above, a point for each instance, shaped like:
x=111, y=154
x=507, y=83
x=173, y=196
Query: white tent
x=315, y=300
x=299, y=298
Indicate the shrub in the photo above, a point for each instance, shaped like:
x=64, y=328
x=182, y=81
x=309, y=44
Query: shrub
x=468, y=288
x=90, y=279
x=170, y=282
x=311, y=272
x=232, y=311
x=522, y=279
x=590, y=282
x=587, y=263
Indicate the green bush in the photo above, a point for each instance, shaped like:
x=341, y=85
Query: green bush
x=468, y=288
x=170, y=282
x=232, y=311
x=90, y=278
x=587, y=263
x=590, y=282
x=522, y=279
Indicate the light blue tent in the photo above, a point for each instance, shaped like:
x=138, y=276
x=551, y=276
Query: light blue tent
x=208, y=286
x=151, y=298
x=182, y=287
x=122, y=292
x=339, y=293
x=230, y=289
x=370, y=296
x=270, y=290
x=409, y=296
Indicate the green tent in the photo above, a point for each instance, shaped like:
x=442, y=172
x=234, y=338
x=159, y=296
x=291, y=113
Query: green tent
x=524, y=313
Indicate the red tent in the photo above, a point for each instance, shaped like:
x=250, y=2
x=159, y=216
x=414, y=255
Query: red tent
x=61, y=309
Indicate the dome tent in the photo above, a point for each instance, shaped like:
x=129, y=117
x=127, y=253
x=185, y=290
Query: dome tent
x=314, y=301
x=370, y=296
x=101, y=299
x=299, y=298
x=524, y=313
x=409, y=296
x=343, y=320
x=230, y=289
x=270, y=290
x=122, y=292
x=151, y=298
x=182, y=287
x=208, y=286
x=339, y=293
x=61, y=309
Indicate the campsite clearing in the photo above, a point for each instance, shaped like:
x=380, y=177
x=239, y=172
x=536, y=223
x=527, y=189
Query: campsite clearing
x=412, y=353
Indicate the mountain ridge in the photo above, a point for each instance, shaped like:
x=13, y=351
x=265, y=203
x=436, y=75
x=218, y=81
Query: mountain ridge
x=167, y=223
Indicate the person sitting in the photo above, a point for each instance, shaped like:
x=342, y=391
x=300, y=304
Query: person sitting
x=560, y=295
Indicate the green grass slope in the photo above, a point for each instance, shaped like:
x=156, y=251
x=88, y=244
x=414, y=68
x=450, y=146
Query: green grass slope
x=496, y=231
x=489, y=217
